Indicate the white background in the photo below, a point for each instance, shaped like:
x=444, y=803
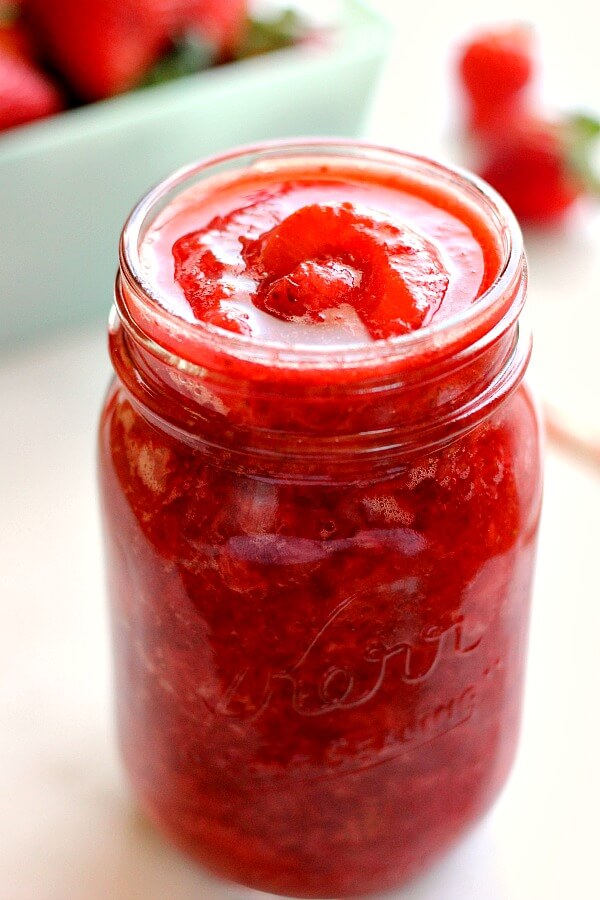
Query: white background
x=68, y=830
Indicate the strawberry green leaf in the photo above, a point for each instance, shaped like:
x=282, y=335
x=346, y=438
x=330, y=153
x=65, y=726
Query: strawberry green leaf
x=585, y=125
x=264, y=35
x=582, y=132
x=189, y=54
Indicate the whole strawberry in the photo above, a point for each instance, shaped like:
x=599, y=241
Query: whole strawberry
x=543, y=167
x=25, y=92
x=495, y=68
x=102, y=47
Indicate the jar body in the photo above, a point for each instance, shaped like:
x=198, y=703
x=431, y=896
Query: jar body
x=319, y=684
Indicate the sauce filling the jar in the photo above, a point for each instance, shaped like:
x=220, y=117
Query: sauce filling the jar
x=321, y=488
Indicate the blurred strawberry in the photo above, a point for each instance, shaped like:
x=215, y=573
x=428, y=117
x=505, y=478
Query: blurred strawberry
x=102, y=47
x=15, y=39
x=495, y=67
x=543, y=167
x=25, y=92
x=202, y=33
x=207, y=31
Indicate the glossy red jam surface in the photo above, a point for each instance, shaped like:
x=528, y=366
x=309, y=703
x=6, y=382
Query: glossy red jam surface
x=319, y=642
x=340, y=256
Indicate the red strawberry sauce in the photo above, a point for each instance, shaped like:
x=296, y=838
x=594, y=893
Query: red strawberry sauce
x=320, y=512
x=360, y=258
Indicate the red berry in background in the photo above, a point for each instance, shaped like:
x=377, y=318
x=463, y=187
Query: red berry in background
x=224, y=23
x=493, y=123
x=25, y=92
x=543, y=167
x=531, y=174
x=105, y=47
x=101, y=47
x=495, y=67
x=539, y=165
x=16, y=40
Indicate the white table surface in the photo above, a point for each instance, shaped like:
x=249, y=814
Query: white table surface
x=68, y=829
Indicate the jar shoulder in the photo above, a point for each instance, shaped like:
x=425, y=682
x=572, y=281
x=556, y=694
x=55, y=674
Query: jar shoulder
x=492, y=474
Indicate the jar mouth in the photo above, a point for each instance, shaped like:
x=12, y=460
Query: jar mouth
x=167, y=335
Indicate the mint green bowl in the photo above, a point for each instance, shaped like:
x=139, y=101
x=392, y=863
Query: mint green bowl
x=68, y=183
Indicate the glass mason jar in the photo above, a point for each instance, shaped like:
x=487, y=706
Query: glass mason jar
x=320, y=568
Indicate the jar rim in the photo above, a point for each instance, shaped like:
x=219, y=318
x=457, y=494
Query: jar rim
x=171, y=337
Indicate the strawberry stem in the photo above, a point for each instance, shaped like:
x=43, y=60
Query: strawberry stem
x=264, y=35
x=582, y=132
x=189, y=54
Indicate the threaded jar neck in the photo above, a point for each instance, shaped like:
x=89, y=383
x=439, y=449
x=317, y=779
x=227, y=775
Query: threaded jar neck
x=309, y=409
